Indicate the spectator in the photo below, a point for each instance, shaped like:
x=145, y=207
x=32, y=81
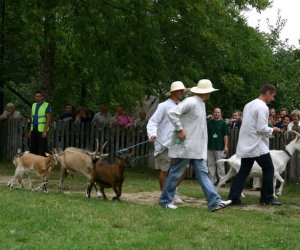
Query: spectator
x=236, y=120
x=89, y=115
x=103, y=116
x=282, y=112
x=10, y=112
x=122, y=119
x=286, y=121
x=217, y=143
x=40, y=122
x=141, y=121
x=272, y=117
x=68, y=115
x=81, y=115
x=295, y=123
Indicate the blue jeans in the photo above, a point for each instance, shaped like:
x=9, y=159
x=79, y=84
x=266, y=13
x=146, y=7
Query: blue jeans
x=176, y=171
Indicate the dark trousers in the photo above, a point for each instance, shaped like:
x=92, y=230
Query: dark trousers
x=265, y=162
x=38, y=145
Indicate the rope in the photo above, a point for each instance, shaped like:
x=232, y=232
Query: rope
x=133, y=146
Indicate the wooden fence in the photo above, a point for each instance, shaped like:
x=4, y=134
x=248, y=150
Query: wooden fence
x=13, y=138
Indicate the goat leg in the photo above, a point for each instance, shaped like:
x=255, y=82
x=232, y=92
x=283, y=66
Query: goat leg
x=103, y=194
x=117, y=197
x=89, y=188
x=278, y=177
x=45, y=184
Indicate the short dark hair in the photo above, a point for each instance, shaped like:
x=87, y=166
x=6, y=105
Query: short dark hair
x=39, y=92
x=267, y=87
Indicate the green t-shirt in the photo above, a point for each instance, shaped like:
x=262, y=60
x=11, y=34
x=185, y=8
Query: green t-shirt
x=216, y=129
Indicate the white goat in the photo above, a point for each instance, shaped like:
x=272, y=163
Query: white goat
x=280, y=159
x=27, y=163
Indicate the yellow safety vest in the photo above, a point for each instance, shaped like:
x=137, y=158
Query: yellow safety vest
x=41, y=116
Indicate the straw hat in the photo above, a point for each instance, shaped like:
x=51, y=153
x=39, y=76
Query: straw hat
x=204, y=86
x=178, y=85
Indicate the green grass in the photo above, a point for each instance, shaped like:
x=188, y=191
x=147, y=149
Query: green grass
x=54, y=220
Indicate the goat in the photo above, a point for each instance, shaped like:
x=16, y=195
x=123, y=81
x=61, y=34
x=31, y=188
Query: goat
x=110, y=175
x=76, y=160
x=30, y=163
x=280, y=159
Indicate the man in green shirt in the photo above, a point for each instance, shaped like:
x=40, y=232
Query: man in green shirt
x=217, y=143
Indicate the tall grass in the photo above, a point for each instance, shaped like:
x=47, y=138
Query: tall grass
x=54, y=220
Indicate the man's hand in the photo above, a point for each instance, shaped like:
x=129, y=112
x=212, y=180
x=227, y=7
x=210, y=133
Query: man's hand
x=181, y=134
x=44, y=134
x=152, y=138
x=275, y=129
x=226, y=150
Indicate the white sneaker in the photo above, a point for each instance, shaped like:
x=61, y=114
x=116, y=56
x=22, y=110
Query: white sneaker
x=170, y=205
x=177, y=199
x=221, y=205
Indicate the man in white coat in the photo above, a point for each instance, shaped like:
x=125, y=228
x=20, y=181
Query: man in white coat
x=160, y=129
x=189, y=144
x=253, y=145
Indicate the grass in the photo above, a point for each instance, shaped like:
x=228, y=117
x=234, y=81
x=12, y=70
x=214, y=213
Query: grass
x=54, y=220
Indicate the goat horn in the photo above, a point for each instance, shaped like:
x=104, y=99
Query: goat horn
x=103, y=147
x=293, y=132
x=97, y=145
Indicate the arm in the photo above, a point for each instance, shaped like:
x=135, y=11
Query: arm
x=226, y=144
x=153, y=122
x=262, y=122
x=48, y=120
x=175, y=114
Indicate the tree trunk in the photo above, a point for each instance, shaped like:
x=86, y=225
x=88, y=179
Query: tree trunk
x=48, y=49
x=2, y=12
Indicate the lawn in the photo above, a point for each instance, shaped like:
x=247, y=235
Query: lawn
x=55, y=220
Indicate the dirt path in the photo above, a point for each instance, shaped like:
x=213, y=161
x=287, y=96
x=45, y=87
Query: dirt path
x=151, y=198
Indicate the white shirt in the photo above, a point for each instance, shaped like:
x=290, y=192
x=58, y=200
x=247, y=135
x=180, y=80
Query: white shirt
x=190, y=116
x=254, y=133
x=290, y=126
x=159, y=125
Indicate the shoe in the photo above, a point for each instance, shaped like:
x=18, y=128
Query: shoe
x=221, y=205
x=238, y=202
x=270, y=203
x=177, y=199
x=170, y=205
x=255, y=189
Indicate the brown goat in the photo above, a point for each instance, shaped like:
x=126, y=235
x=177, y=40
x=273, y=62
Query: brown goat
x=110, y=175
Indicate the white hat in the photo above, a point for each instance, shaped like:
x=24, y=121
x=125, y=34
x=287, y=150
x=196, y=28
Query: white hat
x=178, y=85
x=204, y=86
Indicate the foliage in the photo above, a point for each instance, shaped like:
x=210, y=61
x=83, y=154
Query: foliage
x=87, y=52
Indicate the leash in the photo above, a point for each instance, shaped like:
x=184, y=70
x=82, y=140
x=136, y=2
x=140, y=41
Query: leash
x=133, y=146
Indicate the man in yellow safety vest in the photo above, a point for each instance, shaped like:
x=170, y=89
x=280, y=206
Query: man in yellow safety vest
x=40, y=122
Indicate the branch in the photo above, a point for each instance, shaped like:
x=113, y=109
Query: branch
x=19, y=95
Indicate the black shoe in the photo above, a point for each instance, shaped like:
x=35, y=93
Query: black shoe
x=238, y=202
x=270, y=203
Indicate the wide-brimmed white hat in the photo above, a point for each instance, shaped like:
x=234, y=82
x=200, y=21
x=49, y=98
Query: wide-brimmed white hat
x=204, y=86
x=178, y=85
